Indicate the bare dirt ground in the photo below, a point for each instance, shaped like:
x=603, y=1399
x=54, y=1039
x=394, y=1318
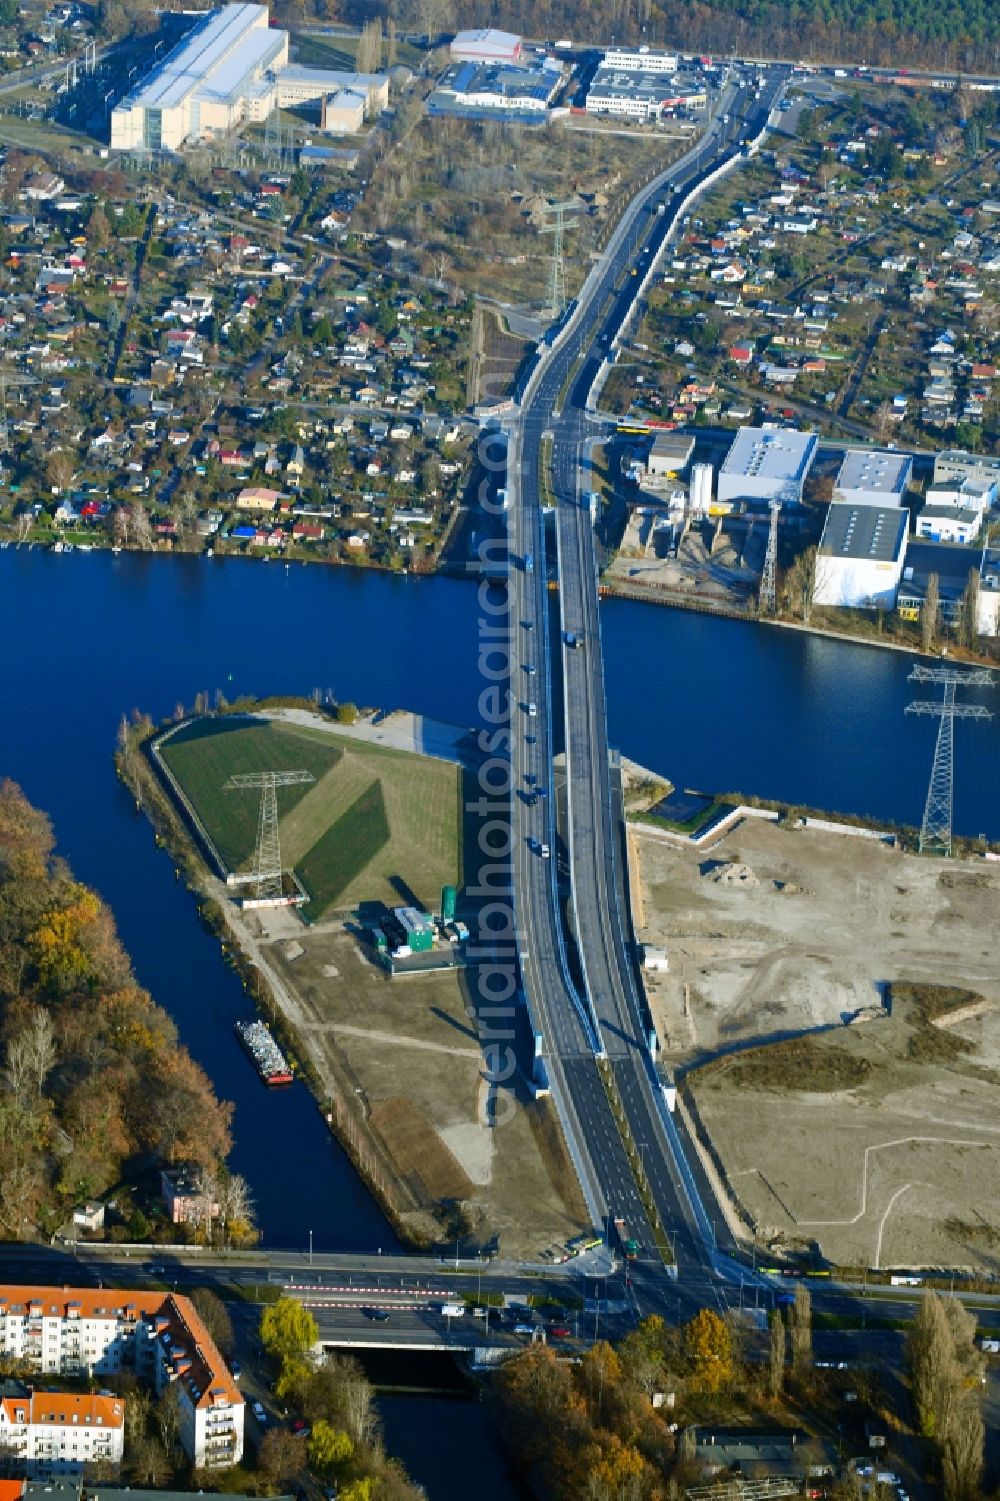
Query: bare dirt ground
x=879, y=1139
x=723, y=568
x=409, y=1051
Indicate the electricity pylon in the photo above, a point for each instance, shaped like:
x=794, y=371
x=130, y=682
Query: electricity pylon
x=266, y=874
x=769, y=579
x=935, y=831
x=557, y=270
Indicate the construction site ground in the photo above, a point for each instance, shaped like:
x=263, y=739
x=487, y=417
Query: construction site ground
x=870, y=1129
x=411, y=1054
x=718, y=560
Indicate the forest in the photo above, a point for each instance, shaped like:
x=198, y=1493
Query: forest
x=95, y=1086
x=959, y=35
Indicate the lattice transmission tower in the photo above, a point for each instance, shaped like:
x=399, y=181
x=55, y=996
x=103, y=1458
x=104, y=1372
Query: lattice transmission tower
x=557, y=269
x=768, y=601
x=935, y=831
x=266, y=874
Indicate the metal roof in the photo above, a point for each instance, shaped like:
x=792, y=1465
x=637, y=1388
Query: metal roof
x=760, y=453
x=865, y=469
x=188, y=67
x=876, y=534
x=256, y=50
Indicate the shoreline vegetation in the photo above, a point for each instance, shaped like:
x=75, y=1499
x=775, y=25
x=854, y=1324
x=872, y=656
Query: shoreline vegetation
x=101, y=1094
x=173, y=832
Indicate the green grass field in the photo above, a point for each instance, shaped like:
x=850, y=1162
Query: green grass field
x=376, y=824
x=206, y=753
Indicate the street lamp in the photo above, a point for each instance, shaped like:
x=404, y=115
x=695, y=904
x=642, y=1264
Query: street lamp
x=310, y=1248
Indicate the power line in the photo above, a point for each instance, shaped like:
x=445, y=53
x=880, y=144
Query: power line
x=935, y=830
x=267, y=873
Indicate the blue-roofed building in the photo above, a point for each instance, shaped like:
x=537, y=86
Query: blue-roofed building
x=483, y=90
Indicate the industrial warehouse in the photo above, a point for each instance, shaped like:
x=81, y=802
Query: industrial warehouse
x=643, y=85
x=233, y=68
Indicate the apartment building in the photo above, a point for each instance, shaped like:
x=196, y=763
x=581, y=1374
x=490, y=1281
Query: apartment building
x=157, y=1337
x=57, y=1433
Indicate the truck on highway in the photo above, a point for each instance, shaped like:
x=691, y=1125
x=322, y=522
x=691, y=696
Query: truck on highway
x=628, y=1244
x=453, y=1310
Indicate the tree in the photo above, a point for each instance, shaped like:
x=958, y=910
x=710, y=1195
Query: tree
x=329, y=1448
x=236, y=1210
x=930, y=612
x=962, y=1451
x=708, y=1345
x=968, y=627
x=167, y=1417
x=776, y=1356
x=281, y=1455
x=800, y=1333
x=215, y=1316
x=347, y=713
x=288, y=1330
x=58, y=470
x=945, y=1374
x=150, y=1465
x=369, y=57
x=98, y=228
x=799, y=586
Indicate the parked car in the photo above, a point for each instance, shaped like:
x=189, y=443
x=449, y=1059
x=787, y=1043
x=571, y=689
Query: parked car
x=259, y=1413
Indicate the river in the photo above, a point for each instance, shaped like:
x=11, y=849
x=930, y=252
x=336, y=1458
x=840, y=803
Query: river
x=711, y=702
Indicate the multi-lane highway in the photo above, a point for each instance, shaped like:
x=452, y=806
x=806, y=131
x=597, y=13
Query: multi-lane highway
x=586, y=1002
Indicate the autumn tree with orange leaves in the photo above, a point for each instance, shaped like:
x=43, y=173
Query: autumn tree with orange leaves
x=93, y=1068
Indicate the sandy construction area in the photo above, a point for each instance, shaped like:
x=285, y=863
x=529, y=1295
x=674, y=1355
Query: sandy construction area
x=410, y=1052
x=878, y=1138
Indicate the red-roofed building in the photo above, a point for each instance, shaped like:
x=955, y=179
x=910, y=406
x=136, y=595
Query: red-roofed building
x=158, y=1337
x=45, y=1433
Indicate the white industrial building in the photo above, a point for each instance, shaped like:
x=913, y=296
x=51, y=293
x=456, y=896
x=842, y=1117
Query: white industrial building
x=767, y=464
x=232, y=68
x=486, y=45
x=859, y=562
x=295, y=85
x=670, y=454
x=343, y=113
x=201, y=86
x=160, y=1339
x=640, y=60
x=873, y=477
x=955, y=468
x=641, y=95
x=948, y=524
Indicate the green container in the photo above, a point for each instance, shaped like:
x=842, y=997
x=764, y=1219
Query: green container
x=448, y=895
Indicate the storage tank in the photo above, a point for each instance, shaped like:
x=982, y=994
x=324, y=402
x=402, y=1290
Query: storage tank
x=701, y=488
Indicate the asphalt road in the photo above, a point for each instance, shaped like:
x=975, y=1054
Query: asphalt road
x=603, y=1014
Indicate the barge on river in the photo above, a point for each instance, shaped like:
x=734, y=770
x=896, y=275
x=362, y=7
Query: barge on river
x=268, y=1058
